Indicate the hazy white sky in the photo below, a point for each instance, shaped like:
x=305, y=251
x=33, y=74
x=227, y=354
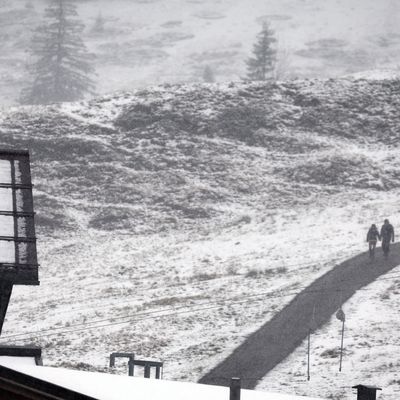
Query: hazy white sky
x=155, y=41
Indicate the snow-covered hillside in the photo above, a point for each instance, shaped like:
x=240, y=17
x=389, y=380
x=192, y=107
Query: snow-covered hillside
x=176, y=220
x=156, y=41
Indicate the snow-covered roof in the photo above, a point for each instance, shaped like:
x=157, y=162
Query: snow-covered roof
x=104, y=386
x=15, y=362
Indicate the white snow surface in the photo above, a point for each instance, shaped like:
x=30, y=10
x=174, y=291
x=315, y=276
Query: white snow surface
x=5, y=171
x=114, y=387
x=16, y=362
x=196, y=322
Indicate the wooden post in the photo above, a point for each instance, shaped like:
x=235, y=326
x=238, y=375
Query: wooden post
x=366, y=392
x=15, y=208
x=341, y=348
x=131, y=366
x=147, y=371
x=235, y=389
x=308, y=354
x=5, y=294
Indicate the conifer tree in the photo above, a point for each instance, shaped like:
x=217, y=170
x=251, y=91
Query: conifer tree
x=261, y=66
x=98, y=26
x=208, y=74
x=29, y=5
x=62, y=66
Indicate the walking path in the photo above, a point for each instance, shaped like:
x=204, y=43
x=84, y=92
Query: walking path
x=280, y=336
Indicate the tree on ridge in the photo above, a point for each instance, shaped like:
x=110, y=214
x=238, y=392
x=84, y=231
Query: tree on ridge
x=62, y=67
x=208, y=74
x=261, y=66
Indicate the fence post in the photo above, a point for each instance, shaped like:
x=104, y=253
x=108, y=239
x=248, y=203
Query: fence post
x=131, y=366
x=147, y=371
x=235, y=389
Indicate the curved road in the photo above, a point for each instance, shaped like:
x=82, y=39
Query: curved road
x=279, y=337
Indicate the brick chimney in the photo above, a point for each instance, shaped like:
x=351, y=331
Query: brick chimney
x=366, y=392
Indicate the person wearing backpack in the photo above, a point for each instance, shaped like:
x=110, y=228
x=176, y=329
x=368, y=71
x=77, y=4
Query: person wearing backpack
x=387, y=235
x=372, y=237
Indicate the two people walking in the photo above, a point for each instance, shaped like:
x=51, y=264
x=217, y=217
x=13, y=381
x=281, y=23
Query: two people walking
x=386, y=235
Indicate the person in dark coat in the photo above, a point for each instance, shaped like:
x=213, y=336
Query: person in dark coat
x=387, y=235
x=372, y=237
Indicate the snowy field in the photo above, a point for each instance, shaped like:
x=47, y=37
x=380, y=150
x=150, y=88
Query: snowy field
x=189, y=300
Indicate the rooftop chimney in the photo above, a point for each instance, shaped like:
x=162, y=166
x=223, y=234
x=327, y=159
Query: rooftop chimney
x=366, y=392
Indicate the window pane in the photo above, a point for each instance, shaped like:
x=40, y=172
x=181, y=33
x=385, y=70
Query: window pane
x=5, y=199
x=6, y=226
x=5, y=171
x=7, y=252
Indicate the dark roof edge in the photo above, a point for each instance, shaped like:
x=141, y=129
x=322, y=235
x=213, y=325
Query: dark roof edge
x=367, y=387
x=30, y=384
x=20, y=351
x=11, y=152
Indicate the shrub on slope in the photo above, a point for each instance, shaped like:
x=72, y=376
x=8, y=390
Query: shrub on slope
x=178, y=154
x=352, y=109
x=347, y=169
x=339, y=108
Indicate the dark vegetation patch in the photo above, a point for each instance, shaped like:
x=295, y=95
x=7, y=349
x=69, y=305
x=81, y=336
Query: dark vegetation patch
x=168, y=38
x=287, y=143
x=81, y=366
x=330, y=353
x=386, y=41
x=182, y=154
x=172, y=24
x=336, y=52
x=220, y=56
x=327, y=42
x=189, y=211
x=361, y=110
x=243, y=121
x=343, y=169
x=203, y=277
x=337, y=56
x=172, y=301
x=110, y=219
x=334, y=353
x=256, y=273
x=209, y=14
x=11, y=17
x=353, y=109
x=51, y=215
x=140, y=116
